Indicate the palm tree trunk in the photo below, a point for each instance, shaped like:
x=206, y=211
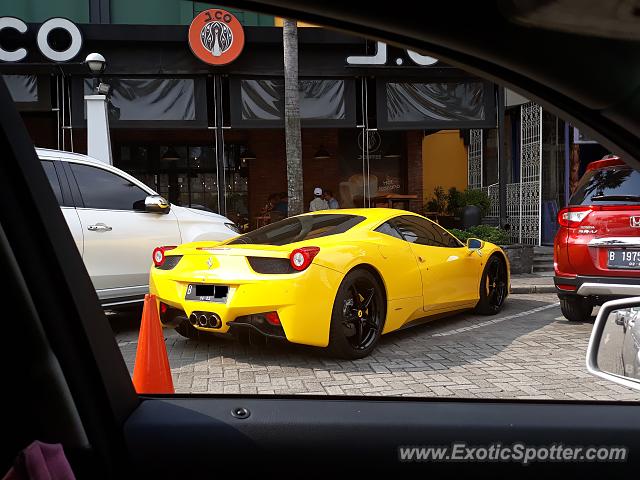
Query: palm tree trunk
x=292, y=117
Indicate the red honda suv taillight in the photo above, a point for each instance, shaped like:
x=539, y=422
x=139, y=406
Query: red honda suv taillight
x=572, y=217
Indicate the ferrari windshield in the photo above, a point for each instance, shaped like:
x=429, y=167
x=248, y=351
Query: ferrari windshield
x=297, y=229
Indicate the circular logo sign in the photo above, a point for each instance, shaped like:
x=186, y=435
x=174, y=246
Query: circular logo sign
x=374, y=140
x=216, y=37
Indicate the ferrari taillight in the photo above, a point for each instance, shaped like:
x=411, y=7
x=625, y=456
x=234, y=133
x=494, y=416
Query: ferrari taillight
x=572, y=217
x=301, y=258
x=158, y=254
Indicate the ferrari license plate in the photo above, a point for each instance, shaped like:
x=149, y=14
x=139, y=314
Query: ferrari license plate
x=207, y=293
x=626, y=259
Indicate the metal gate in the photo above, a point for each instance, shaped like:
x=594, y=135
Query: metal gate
x=524, y=197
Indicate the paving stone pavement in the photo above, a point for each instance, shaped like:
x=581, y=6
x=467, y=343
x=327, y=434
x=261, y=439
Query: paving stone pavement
x=528, y=351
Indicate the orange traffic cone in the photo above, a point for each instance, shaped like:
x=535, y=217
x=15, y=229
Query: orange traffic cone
x=151, y=373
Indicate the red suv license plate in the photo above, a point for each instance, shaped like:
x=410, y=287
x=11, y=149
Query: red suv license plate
x=624, y=259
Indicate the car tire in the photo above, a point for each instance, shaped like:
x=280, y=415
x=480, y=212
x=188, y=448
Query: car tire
x=187, y=330
x=493, y=287
x=358, y=315
x=576, y=309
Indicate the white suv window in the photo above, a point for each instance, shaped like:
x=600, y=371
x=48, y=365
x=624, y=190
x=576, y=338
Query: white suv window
x=52, y=176
x=105, y=190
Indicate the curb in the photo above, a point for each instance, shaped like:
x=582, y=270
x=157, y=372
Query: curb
x=533, y=289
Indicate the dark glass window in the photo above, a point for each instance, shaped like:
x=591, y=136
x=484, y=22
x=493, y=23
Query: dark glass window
x=423, y=232
x=163, y=101
x=106, y=190
x=463, y=104
x=612, y=186
x=23, y=88
x=50, y=170
x=319, y=99
x=387, y=229
x=297, y=229
x=413, y=102
x=323, y=102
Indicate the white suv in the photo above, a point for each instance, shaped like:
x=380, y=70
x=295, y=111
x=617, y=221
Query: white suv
x=117, y=221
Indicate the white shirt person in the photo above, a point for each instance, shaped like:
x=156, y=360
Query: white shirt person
x=318, y=203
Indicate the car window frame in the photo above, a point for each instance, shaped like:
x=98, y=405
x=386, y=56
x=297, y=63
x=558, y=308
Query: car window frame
x=98, y=167
x=392, y=227
x=62, y=200
x=391, y=222
x=587, y=178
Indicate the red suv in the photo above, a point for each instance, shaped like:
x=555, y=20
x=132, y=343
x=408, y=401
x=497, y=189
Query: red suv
x=597, y=248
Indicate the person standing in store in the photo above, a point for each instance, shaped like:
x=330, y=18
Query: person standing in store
x=282, y=205
x=331, y=200
x=318, y=203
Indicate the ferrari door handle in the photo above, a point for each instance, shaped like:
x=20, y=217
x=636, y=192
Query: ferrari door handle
x=420, y=259
x=99, y=227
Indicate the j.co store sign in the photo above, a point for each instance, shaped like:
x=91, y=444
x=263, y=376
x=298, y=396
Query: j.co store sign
x=216, y=37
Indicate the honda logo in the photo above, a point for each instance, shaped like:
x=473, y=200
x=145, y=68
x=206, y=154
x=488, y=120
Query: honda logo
x=634, y=221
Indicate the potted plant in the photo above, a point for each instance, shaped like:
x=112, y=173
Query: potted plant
x=437, y=204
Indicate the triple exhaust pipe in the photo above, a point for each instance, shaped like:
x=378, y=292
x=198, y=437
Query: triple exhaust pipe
x=205, y=319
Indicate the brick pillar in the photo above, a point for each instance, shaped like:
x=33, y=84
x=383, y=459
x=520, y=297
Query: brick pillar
x=268, y=172
x=415, y=177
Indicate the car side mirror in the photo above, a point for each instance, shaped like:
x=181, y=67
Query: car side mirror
x=156, y=204
x=614, y=346
x=475, y=244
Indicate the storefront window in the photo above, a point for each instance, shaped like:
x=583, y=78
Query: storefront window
x=30, y=92
x=383, y=171
x=167, y=102
x=435, y=105
x=187, y=175
x=23, y=88
x=323, y=102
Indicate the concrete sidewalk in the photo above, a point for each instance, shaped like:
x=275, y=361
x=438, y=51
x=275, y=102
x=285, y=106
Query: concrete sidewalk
x=532, y=283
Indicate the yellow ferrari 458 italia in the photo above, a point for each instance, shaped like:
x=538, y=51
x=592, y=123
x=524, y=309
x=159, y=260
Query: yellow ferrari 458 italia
x=333, y=278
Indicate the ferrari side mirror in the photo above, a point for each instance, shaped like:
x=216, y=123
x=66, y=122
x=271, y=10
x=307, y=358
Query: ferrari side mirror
x=475, y=244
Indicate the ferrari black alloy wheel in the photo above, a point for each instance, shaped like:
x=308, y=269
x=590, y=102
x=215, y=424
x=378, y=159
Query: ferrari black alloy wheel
x=493, y=287
x=358, y=315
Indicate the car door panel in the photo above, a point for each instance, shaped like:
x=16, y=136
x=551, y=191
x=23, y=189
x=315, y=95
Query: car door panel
x=402, y=278
x=60, y=186
x=118, y=246
x=73, y=221
x=449, y=271
x=448, y=276
x=176, y=429
x=118, y=241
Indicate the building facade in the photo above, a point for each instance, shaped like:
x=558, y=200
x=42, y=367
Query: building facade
x=376, y=120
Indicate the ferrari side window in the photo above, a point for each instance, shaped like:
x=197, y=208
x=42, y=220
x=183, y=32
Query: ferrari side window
x=423, y=232
x=388, y=229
